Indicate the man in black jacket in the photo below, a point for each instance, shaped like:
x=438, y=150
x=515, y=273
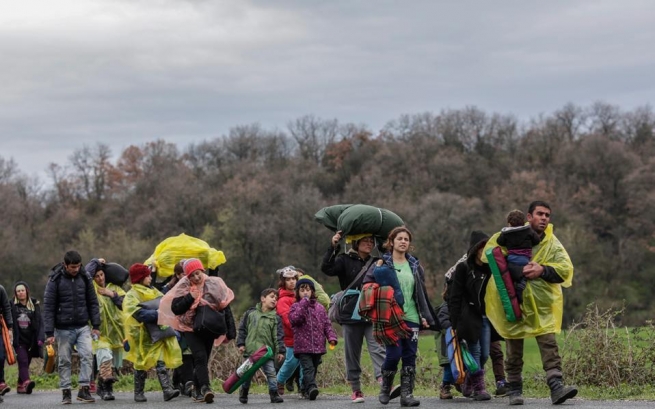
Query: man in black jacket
x=347, y=266
x=5, y=311
x=69, y=304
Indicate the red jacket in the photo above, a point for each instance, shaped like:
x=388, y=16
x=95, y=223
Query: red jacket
x=284, y=301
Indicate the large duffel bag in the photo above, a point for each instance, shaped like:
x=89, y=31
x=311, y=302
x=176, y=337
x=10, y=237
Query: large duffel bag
x=358, y=219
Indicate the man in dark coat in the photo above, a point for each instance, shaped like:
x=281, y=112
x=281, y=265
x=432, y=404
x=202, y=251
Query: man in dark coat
x=69, y=305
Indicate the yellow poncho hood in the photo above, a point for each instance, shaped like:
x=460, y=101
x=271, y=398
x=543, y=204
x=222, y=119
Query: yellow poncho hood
x=111, y=319
x=543, y=302
x=143, y=353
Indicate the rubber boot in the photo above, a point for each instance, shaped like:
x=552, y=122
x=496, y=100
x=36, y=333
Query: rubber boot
x=385, y=387
x=407, y=377
x=560, y=393
x=139, y=385
x=109, y=390
x=165, y=382
x=479, y=389
x=275, y=397
x=243, y=395
x=515, y=393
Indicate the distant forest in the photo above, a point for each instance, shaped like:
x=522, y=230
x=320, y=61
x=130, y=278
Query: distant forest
x=253, y=194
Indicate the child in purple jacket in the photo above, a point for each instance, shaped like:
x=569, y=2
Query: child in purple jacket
x=311, y=327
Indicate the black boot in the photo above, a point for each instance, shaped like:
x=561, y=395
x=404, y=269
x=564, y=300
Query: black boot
x=407, y=387
x=385, y=387
x=83, y=395
x=207, y=394
x=560, y=393
x=109, y=390
x=188, y=389
x=243, y=395
x=100, y=389
x=165, y=382
x=515, y=393
x=66, y=396
x=139, y=385
x=275, y=397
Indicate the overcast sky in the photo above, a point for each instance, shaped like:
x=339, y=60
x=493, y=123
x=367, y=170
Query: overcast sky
x=129, y=72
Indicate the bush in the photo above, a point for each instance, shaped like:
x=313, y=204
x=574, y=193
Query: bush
x=597, y=352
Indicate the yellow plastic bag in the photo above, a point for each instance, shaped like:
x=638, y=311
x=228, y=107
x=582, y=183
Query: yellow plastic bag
x=170, y=251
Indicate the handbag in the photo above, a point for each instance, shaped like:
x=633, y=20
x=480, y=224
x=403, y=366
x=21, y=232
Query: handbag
x=157, y=332
x=341, y=301
x=10, y=355
x=209, y=321
x=49, y=359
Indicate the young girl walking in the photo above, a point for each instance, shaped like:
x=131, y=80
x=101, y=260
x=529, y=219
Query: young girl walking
x=311, y=327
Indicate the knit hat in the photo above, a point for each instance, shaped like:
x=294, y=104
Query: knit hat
x=192, y=265
x=477, y=240
x=138, y=272
x=287, y=272
x=307, y=281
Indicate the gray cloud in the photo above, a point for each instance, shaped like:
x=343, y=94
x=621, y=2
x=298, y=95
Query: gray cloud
x=124, y=72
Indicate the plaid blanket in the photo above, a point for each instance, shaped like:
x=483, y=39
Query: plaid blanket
x=379, y=306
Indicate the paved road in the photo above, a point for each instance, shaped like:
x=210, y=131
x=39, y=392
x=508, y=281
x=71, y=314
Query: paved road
x=51, y=399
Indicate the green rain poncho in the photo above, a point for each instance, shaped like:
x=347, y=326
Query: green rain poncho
x=111, y=320
x=143, y=353
x=543, y=302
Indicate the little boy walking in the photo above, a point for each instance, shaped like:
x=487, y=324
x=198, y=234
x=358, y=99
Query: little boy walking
x=259, y=326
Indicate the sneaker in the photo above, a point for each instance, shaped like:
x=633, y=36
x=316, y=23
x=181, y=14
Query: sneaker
x=29, y=386
x=66, y=397
x=84, y=395
x=501, y=388
x=4, y=388
x=313, y=393
x=357, y=397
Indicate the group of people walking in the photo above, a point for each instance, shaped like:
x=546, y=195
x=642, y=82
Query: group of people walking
x=384, y=301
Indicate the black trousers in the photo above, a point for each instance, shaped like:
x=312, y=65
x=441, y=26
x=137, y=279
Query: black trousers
x=309, y=364
x=201, y=348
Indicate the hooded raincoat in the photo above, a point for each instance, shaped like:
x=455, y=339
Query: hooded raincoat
x=112, y=331
x=143, y=353
x=543, y=302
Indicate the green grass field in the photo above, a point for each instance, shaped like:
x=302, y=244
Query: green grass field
x=332, y=374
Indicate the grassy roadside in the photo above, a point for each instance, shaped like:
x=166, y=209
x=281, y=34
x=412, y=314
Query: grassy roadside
x=332, y=374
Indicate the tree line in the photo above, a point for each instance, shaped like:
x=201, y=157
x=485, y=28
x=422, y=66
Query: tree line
x=253, y=193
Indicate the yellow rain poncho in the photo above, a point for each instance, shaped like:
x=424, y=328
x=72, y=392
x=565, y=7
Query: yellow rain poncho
x=143, y=353
x=111, y=320
x=543, y=302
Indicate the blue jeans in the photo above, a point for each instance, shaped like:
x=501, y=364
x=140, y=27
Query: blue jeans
x=480, y=349
x=288, y=367
x=269, y=371
x=405, y=348
x=448, y=378
x=66, y=338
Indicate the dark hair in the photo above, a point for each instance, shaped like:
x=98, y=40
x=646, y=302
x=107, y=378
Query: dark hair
x=178, y=268
x=281, y=283
x=268, y=291
x=388, y=245
x=72, y=257
x=515, y=218
x=536, y=203
x=355, y=244
x=300, y=271
x=297, y=291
